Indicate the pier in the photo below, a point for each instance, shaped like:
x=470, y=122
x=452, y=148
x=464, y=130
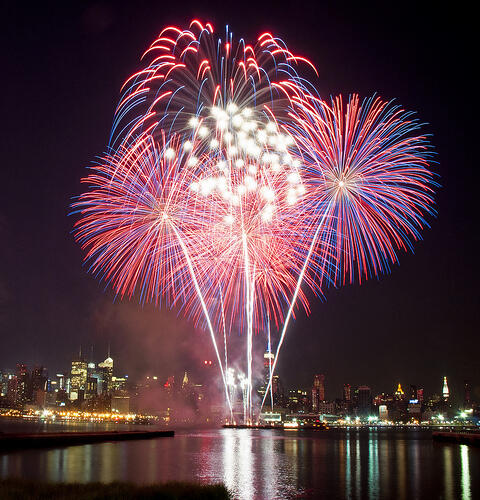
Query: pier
x=61, y=439
x=472, y=438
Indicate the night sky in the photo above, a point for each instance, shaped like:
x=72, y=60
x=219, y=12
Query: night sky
x=62, y=68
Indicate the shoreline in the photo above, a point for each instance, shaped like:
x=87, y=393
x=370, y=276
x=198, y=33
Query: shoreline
x=61, y=439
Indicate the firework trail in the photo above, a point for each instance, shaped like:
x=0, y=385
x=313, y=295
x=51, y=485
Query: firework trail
x=229, y=187
x=369, y=184
x=200, y=198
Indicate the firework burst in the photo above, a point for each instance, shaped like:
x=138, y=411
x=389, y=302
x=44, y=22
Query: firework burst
x=229, y=184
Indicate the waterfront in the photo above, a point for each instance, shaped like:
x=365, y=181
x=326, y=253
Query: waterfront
x=271, y=464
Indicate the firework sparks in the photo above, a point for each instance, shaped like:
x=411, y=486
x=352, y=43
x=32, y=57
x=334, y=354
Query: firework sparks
x=229, y=185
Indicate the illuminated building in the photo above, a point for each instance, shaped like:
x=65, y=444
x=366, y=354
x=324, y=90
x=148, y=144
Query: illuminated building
x=268, y=359
x=466, y=394
x=383, y=412
x=121, y=402
x=347, y=393
x=119, y=383
x=106, y=371
x=445, y=391
x=78, y=378
x=185, y=382
x=91, y=389
x=326, y=407
x=23, y=390
x=318, y=391
x=61, y=381
x=5, y=376
x=420, y=395
x=414, y=407
x=297, y=400
x=399, y=394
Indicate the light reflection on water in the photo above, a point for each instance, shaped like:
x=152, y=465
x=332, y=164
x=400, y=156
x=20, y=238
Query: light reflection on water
x=271, y=464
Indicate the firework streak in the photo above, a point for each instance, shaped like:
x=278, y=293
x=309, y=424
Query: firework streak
x=229, y=187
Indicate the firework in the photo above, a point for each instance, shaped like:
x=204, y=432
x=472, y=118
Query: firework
x=191, y=73
x=369, y=178
x=369, y=184
x=200, y=199
x=229, y=184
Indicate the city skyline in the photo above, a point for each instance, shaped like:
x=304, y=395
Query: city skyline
x=418, y=322
x=319, y=389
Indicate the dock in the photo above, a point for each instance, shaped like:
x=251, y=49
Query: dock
x=62, y=439
x=472, y=438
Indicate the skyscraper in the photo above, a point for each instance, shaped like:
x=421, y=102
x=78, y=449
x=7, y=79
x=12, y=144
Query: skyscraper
x=39, y=385
x=399, y=394
x=106, y=370
x=364, y=400
x=347, y=393
x=466, y=394
x=318, y=391
x=420, y=395
x=23, y=392
x=445, y=391
x=78, y=378
x=413, y=392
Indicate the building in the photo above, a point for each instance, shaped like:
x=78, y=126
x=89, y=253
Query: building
x=399, y=394
x=318, y=391
x=105, y=370
x=413, y=392
x=78, y=378
x=120, y=383
x=383, y=412
x=445, y=391
x=39, y=385
x=121, y=402
x=466, y=394
x=23, y=387
x=326, y=407
x=364, y=395
x=91, y=389
x=347, y=393
x=420, y=395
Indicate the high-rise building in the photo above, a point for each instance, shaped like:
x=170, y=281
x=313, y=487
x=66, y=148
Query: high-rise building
x=185, y=382
x=399, y=394
x=5, y=376
x=120, y=383
x=364, y=394
x=420, y=395
x=383, y=412
x=268, y=359
x=466, y=394
x=445, y=391
x=39, y=385
x=78, y=378
x=413, y=392
x=24, y=388
x=318, y=391
x=106, y=371
x=91, y=388
x=347, y=393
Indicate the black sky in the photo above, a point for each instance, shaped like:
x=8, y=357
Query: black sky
x=62, y=67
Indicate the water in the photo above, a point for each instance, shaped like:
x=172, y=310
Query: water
x=268, y=464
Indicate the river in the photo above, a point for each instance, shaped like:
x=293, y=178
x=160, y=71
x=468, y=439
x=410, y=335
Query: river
x=268, y=464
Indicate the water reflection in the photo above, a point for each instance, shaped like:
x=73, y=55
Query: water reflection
x=348, y=468
x=448, y=474
x=271, y=464
x=373, y=479
x=465, y=472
